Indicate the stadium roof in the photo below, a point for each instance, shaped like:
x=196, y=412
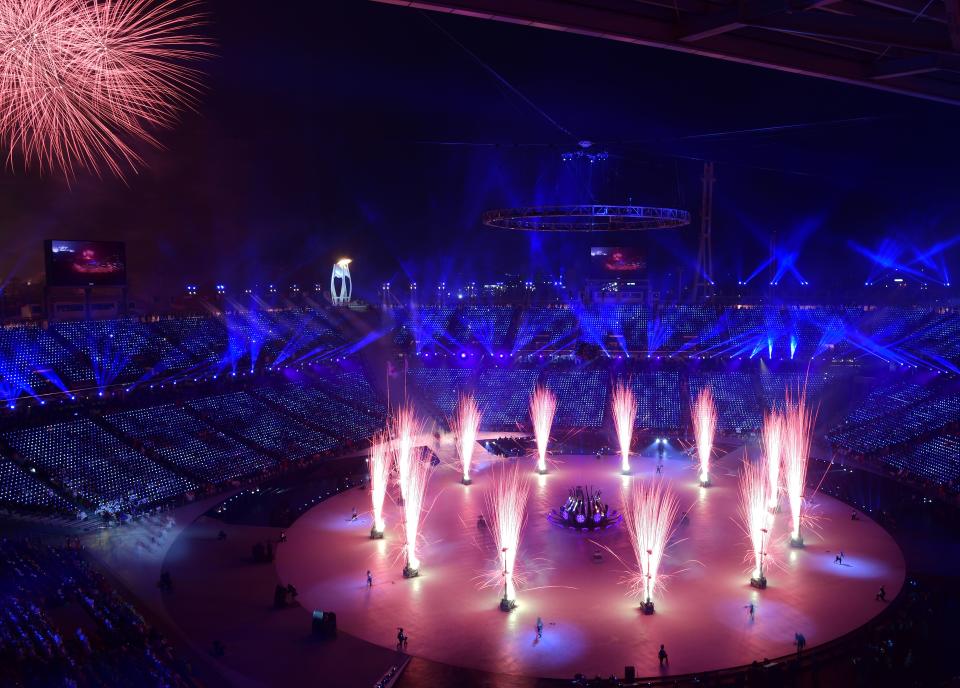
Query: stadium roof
x=904, y=46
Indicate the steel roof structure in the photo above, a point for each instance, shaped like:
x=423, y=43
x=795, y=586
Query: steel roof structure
x=910, y=47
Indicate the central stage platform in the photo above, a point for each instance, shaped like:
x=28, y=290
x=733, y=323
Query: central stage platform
x=591, y=626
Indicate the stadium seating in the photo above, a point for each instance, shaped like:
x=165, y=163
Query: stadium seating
x=581, y=397
x=20, y=488
x=193, y=446
x=63, y=624
x=901, y=426
x=658, y=400
x=488, y=326
x=686, y=328
x=776, y=385
x=736, y=401
x=354, y=388
x=314, y=407
x=30, y=359
x=95, y=465
x=440, y=387
x=504, y=397
x=423, y=326
x=99, y=353
x=108, y=350
x=243, y=415
x=936, y=459
x=204, y=340
x=541, y=328
x=889, y=396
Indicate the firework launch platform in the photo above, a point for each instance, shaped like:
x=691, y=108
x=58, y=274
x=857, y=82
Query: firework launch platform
x=577, y=583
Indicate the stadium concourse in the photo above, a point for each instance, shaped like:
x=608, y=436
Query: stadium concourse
x=197, y=484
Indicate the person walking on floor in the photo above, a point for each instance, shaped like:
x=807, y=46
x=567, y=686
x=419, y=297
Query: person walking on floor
x=882, y=594
x=662, y=656
x=539, y=628
x=751, y=608
x=369, y=579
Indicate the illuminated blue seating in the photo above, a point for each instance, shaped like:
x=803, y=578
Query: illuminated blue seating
x=252, y=419
x=734, y=396
x=20, y=488
x=658, y=400
x=440, y=387
x=96, y=465
x=581, y=397
x=504, y=397
x=179, y=438
x=314, y=407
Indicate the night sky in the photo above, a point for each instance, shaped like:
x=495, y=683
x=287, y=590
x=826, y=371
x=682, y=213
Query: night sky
x=319, y=136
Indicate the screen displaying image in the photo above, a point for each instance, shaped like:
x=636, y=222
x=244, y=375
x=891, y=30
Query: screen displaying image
x=611, y=262
x=86, y=263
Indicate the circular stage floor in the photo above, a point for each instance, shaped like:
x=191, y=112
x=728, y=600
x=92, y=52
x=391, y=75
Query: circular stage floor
x=591, y=626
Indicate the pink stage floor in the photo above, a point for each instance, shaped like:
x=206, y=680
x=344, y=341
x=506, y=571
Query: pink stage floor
x=590, y=624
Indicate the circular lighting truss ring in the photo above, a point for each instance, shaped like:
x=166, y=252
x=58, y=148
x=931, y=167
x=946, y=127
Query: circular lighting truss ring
x=585, y=218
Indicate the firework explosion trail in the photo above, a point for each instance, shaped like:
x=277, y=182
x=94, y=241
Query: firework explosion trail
x=405, y=427
x=798, y=422
x=772, y=438
x=704, y=416
x=543, y=404
x=624, y=406
x=413, y=503
x=754, y=498
x=466, y=425
x=507, y=505
x=81, y=80
x=379, y=462
x=650, y=513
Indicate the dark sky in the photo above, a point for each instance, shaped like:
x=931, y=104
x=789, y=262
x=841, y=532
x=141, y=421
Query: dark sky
x=310, y=143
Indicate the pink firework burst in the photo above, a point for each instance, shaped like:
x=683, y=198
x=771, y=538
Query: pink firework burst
x=379, y=465
x=754, y=514
x=414, y=508
x=507, y=508
x=772, y=442
x=704, y=417
x=624, y=407
x=650, y=514
x=543, y=405
x=405, y=428
x=466, y=425
x=81, y=80
x=798, y=420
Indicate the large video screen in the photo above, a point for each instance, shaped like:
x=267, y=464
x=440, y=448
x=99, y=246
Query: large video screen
x=613, y=262
x=85, y=263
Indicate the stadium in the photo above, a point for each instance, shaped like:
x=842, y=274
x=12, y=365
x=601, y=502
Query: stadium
x=377, y=344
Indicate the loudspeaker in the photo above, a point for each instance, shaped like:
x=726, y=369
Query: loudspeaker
x=629, y=673
x=324, y=624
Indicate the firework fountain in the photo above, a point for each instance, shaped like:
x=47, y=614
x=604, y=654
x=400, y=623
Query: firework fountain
x=754, y=501
x=379, y=463
x=507, y=503
x=650, y=514
x=405, y=427
x=624, y=406
x=798, y=422
x=704, y=416
x=82, y=80
x=543, y=404
x=772, y=436
x=465, y=425
x=416, y=489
